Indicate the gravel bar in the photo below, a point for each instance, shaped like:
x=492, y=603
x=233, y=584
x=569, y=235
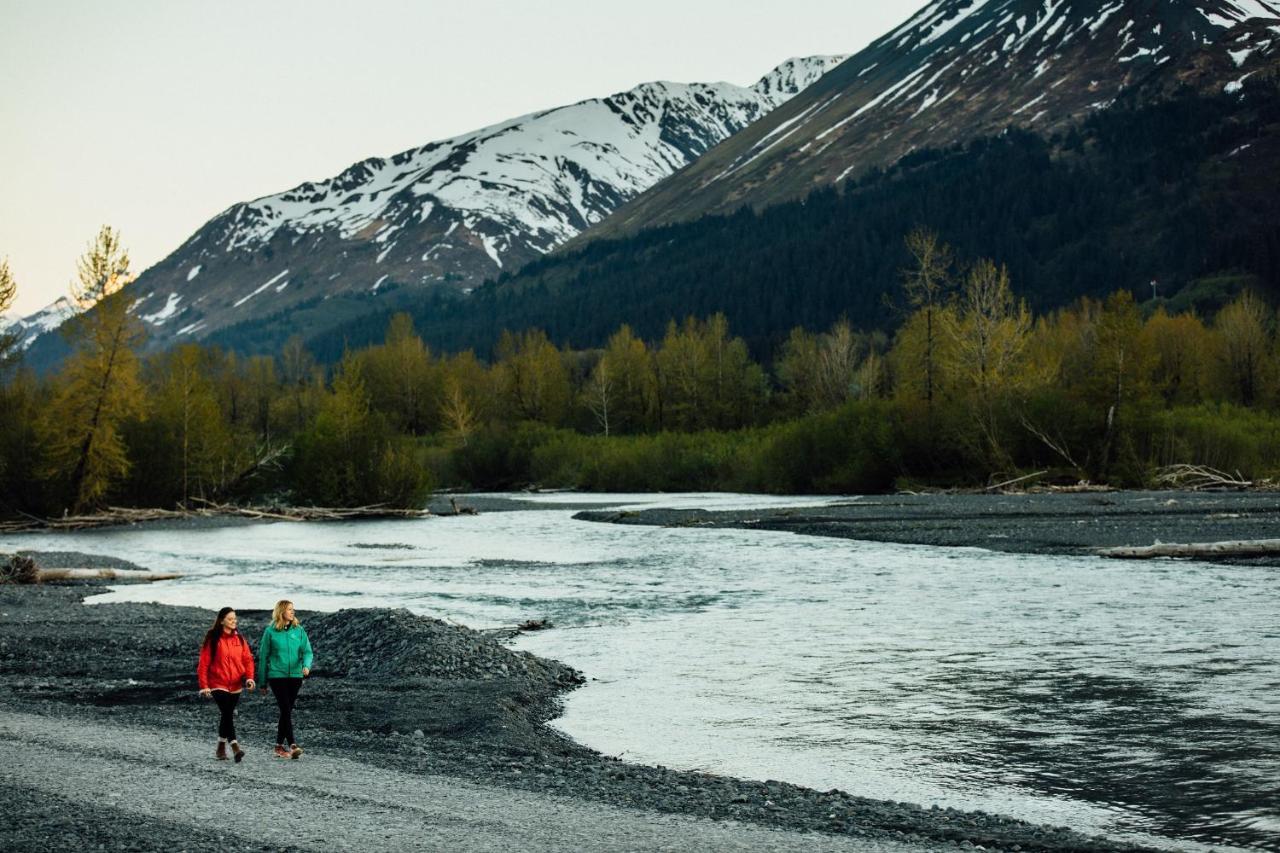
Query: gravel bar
x=418, y=733
x=1050, y=523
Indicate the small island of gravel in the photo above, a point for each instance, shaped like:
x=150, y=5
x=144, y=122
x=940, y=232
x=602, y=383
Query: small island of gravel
x=1044, y=523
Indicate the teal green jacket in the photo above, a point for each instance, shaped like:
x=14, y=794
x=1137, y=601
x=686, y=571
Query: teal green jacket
x=284, y=654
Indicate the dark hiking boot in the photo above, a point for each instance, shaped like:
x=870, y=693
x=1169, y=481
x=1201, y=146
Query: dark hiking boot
x=281, y=752
x=237, y=751
x=221, y=752
x=295, y=751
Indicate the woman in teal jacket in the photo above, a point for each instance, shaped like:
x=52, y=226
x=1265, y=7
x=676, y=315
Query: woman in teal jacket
x=284, y=659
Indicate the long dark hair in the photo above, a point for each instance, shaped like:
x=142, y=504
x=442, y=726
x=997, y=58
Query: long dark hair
x=214, y=634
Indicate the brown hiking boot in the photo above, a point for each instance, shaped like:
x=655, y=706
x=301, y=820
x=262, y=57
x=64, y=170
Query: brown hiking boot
x=295, y=751
x=221, y=752
x=281, y=752
x=237, y=751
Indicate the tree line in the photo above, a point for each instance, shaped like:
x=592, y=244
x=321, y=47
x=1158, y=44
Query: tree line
x=970, y=387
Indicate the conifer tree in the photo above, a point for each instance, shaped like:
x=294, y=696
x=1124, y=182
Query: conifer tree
x=99, y=387
x=927, y=283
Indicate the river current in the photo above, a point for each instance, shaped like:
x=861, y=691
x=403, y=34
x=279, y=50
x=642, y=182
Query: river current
x=1136, y=700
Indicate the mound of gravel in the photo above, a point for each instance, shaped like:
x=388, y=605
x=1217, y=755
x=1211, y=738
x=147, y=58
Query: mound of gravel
x=397, y=644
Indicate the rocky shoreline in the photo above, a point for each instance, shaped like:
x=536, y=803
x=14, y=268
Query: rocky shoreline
x=409, y=694
x=1049, y=523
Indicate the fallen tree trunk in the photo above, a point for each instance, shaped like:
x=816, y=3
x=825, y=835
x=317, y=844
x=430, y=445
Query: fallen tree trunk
x=115, y=515
x=45, y=575
x=1198, y=551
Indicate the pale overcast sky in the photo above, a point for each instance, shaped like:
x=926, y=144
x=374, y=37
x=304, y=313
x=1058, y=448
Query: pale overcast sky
x=155, y=115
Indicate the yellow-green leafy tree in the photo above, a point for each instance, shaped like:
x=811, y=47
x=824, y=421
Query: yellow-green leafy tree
x=799, y=372
x=621, y=390
x=1180, y=346
x=706, y=378
x=469, y=399
x=1119, y=380
x=193, y=446
x=303, y=382
x=820, y=372
x=988, y=335
x=535, y=381
x=1245, y=358
x=263, y=389
x=403, y=380
x=99, y=386
x=350, y=456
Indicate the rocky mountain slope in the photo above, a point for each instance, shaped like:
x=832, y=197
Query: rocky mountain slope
x=959, y=70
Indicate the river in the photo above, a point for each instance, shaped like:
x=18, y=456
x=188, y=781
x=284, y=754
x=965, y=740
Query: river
x=1140, y=701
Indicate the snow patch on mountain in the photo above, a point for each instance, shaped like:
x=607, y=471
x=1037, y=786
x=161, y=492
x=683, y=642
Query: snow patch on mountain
x=169, y=310
x=263, y=287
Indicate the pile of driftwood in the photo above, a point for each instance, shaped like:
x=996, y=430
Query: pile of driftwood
x=112, y=516
x=1194, y=478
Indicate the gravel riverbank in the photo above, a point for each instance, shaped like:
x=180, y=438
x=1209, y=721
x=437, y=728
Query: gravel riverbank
x=1061, y=523
x=400, y=709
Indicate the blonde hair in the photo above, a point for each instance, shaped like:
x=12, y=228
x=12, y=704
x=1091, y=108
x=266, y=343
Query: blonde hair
x=277, y=615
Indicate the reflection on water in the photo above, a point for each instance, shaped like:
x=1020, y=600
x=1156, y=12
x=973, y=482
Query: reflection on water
x=1139, y=701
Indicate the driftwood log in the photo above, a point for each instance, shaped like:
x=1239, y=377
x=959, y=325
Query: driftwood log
x=21, y=569
x=45, y=575
x=112, y=516
x=1198, y=551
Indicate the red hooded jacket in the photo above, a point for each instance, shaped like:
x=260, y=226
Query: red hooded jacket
x=229, y=670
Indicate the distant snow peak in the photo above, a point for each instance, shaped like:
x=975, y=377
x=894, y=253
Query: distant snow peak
x=46, y=319
x=795, y=75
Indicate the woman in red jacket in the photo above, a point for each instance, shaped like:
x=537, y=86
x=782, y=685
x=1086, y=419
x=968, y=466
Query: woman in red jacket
x=225, y=668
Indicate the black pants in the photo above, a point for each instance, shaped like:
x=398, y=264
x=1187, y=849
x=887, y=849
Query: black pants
x=227, y=705
x=286, y=692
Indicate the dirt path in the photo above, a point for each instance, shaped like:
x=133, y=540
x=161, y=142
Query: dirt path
x=152, y=778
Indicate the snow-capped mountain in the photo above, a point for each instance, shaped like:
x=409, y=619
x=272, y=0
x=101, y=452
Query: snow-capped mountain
x=452, y=212
x=28, y=328
x=961, y=69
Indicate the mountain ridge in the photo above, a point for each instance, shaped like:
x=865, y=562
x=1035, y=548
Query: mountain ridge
x=957, y=70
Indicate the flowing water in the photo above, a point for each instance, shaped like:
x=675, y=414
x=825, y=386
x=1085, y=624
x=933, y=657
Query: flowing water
x=1136, y=700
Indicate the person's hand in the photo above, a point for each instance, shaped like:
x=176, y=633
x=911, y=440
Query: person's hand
x=206, y=692
x=249, y=685
x=306, y=671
